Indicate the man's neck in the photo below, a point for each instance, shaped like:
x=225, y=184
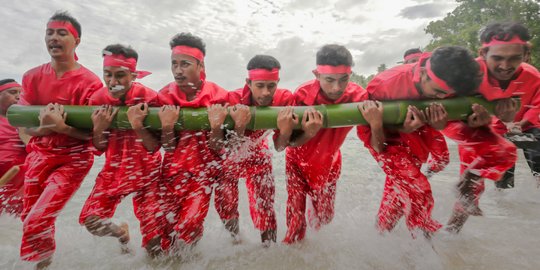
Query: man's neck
x=191, y=92
x=63, y=66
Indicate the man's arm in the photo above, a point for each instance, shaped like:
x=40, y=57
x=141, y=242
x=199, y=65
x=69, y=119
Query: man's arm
x=101, y=120
x=286, y=122
x=168, y=115
x=216, y=116
x=312, y=122
x=136, y=115
x=373, y=114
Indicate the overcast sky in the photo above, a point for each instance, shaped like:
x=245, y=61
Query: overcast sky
x=375, y=31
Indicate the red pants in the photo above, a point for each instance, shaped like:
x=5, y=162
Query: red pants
x=260, y=187
x=11, y=194
x=438, y=150
x=483, y=152
x=50, y=181
x=186, y=206
x=406, y=192
x=145, y=206
x=322, y=199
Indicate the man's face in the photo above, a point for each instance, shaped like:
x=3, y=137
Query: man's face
x=262, y=91
x=118, y=80
x=186, y=70
x=430, y=89
x=503, y=60
x=60, y=43
x=333, y=85
x=9, y=97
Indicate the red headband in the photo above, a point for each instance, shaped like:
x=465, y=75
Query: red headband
x=191, y=51
x=67, y=26
x=327, y=69
x=261, y=74
x=515, y=40
x=434, y=77
x=118, y=60
x=410, y=56
x=9, y=85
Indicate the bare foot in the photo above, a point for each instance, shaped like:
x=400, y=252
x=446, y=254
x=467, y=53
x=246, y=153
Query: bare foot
x=232, y=226
x=456, y=222
x=124, y=238
x=43, y=264
x=153, y=247
x=267, y=237
x=474, y=210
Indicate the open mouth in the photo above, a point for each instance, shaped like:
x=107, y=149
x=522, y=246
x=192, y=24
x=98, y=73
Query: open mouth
x=55, y=47
x=117, y=88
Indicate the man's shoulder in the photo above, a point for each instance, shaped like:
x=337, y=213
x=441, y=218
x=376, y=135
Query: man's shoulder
x=37, y=71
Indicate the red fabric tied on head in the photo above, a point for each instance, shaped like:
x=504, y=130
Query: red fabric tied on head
x=261, y=74
x=515, y=40
x=411, y=56
x=67, y=26
x=327, y=69
x=434, y=77
x=118, y=60
x=191, y=51
x=9, y=85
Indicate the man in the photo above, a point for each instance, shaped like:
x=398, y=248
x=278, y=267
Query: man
x=401, y=153
x=59, y=157
x=132, y=161
x=248, y=155
x=505, y=47
x=189, y=166
x=313, y=163
x=12, y=151
x=483, y=152
x=412, y=56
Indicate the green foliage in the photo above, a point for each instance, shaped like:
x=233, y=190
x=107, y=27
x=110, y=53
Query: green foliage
x=361, y=79
x=462, y=25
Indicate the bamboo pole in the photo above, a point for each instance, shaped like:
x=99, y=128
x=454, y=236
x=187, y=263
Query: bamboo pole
x=336, y=115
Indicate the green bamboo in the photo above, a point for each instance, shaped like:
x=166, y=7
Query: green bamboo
x=337, y=115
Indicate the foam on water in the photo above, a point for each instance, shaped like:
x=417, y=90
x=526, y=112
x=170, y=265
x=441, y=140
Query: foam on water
x=507, y=237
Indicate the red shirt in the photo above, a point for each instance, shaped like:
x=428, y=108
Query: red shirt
x=282, y=97
x=192, y=155
x=526, y=85
x=12, y=149
x=399, y=83
x=319, y=153
x=41, y=87
x=132, y=165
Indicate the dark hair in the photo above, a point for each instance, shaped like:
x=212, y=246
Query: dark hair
x=66, y=17
x=504, y=31
x=188, y=39
x=126, y=51
x=412, y=51
x=334, y=55
x=6, y=81
x=458, y=68
x=267, y=62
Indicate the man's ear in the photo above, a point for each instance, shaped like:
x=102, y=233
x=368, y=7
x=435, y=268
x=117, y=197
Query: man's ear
x=248, y=82
x=316, y=73
x=77, y=41
x=482, y=52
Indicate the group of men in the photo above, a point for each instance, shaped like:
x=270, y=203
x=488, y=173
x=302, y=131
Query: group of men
x=171, y=193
